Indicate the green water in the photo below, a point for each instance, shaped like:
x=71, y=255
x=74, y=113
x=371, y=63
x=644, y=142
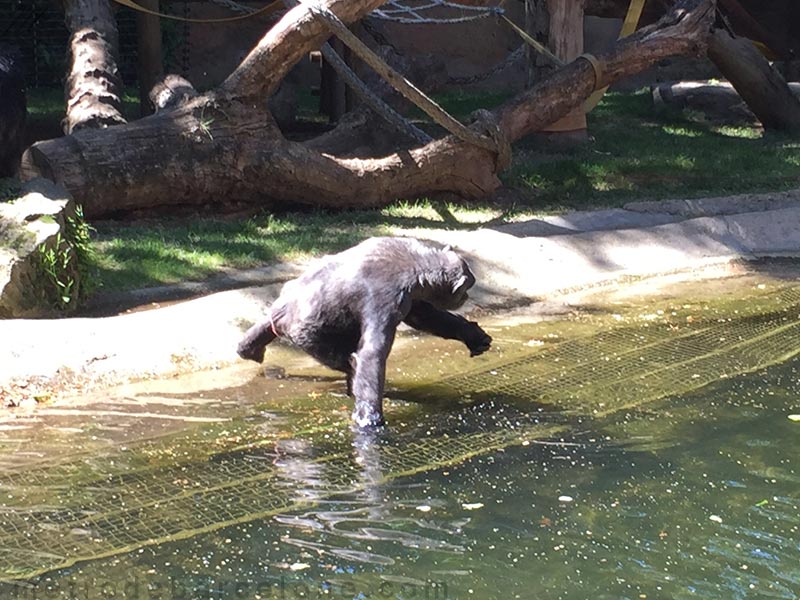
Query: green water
x=688, y=495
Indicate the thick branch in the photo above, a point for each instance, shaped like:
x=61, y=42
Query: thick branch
x=216, y=148
x=294, y=36
x=682, y=31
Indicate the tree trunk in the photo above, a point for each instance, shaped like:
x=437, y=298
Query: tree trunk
x=224, y=146
x=760, y=86
x=745, y=24
x=332, y=90
x=537, y=25
x=93, y=86
x=148, y=46
x=566, y=42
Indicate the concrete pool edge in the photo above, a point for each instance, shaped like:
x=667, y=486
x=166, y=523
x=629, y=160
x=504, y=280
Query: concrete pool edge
x=516, y=265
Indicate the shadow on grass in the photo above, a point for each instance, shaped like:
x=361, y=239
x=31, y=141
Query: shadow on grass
x=153, y=253
x=634, y=155
x=637, y=154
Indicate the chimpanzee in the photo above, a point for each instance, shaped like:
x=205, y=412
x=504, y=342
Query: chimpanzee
x=13, y=108
x=344, y=311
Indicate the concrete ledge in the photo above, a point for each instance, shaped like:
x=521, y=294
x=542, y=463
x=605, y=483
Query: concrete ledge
x=515, y=265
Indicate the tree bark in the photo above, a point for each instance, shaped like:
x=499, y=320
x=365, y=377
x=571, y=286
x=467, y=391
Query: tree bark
x=93, y=86
x=745, y=24
x=760, y=86
x=225, y=146
x=566, y=42
x=148, y=46
x=537, y=25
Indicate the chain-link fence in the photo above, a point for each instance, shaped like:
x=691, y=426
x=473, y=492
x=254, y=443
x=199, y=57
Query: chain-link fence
x=37, y=28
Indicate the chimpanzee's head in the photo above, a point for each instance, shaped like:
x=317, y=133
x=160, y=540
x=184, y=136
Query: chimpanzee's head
x=458, y=280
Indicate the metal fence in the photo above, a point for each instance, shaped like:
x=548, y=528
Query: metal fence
x=37, y=28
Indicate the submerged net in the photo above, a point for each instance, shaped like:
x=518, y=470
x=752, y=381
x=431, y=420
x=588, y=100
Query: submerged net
x=52, y=517
x=105, y=516
x=627, y=366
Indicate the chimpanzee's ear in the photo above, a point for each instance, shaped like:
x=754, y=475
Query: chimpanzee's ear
x=459, y=283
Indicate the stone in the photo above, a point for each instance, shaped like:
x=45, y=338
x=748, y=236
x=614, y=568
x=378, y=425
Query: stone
x=37, y=219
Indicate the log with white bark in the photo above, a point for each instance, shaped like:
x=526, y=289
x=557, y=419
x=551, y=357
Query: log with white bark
x=224, y=146
x=93, y=87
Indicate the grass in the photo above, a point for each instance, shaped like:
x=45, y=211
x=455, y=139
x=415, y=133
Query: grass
x=634, y=154
x=147, y=253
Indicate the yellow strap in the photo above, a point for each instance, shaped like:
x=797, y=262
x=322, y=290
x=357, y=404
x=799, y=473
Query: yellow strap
x=632, y=18
x=628, y=27
x=272, y=7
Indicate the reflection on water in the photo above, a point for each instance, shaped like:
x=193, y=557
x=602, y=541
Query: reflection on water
x=694, y=495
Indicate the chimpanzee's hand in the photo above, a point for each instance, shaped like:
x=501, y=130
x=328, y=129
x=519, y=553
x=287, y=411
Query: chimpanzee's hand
x=477, y=340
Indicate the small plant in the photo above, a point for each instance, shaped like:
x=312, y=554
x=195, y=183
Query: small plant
x=205, y=124
x=66, y=263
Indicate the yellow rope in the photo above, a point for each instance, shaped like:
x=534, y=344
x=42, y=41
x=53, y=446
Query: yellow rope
x=271, y=7
x=628, y=27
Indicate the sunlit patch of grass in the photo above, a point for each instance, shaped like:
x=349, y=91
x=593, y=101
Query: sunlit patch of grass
x=422, y=209
x=682, y=131
x=634, y=154
x=441, y=214
x=145, y=254
x=638, y=154
x=747, y=133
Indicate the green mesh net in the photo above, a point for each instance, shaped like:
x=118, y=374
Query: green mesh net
x=54, y=516
x=627, y=366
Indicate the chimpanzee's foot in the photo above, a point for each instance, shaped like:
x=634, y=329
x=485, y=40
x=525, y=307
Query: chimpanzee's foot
x=367, y=416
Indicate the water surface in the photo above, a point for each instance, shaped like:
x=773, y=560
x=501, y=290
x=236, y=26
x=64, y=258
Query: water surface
x=653, y=455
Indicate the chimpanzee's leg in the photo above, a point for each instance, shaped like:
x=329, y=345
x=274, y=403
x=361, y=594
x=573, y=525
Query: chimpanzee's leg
x=369, y=372
x=426, y=317
x=349, y=373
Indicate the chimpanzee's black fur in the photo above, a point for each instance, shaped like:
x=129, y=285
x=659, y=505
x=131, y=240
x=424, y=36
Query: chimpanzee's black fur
x=13, y=109
x=344, y=312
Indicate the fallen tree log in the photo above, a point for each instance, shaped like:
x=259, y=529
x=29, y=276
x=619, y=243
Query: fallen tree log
x=224, y=145
x=758, y=83
x=717, y=99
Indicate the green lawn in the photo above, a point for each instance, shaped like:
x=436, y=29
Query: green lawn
x=634, y=154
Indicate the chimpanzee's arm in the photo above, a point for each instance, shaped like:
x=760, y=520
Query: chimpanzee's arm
x=255, y=340
x=426, y=317
x=369, y=371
